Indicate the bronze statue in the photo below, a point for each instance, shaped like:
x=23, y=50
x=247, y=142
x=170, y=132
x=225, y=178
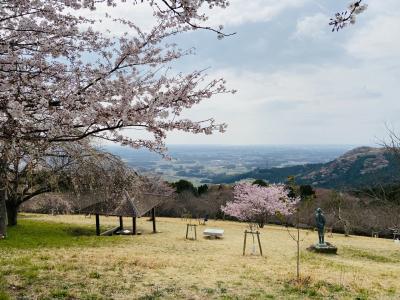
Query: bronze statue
x=320, y=221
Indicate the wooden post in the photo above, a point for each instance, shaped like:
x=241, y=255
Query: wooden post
x=153, y=216
x=121, y=223
x=134, y=225
x=244, y=244
x=187, y=230
x=259, y=243
x=298, y=248
x=97, y=224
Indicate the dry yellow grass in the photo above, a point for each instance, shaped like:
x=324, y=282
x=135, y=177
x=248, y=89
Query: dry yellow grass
x=166, y=266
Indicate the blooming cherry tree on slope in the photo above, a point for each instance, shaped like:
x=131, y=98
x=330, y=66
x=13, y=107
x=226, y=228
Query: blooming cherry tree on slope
x=64, y=81
x=254, y=203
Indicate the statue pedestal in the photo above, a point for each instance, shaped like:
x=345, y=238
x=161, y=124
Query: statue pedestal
x=327, y=248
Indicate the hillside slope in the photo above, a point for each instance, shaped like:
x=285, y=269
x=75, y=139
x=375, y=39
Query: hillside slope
x=363, y=166
x=60, y=257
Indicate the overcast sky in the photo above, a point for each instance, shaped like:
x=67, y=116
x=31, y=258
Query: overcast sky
x=297, y=82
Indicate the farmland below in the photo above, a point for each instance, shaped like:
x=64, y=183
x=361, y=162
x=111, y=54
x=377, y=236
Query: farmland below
x=58, y=257
x=207, y=163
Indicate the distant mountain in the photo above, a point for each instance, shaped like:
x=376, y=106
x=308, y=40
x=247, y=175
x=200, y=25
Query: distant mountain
x=360, y=167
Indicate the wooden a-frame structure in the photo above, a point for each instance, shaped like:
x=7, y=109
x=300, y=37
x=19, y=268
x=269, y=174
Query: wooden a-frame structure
x=134, y=207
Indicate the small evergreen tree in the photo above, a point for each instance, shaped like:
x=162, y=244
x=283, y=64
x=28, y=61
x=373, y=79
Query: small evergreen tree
x=184, y=185
x=306, y=191
x=260, y=182
x=202, y=189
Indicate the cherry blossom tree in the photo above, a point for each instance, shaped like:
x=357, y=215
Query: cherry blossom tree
x=62, y=80
x=254, y=203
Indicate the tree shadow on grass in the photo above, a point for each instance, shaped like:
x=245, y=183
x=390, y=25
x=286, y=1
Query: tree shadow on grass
x=31, y=234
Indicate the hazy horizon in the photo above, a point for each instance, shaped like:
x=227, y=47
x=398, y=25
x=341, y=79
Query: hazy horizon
x=249, y=145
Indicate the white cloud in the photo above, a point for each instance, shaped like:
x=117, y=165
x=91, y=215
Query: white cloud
x=382, y=6
x=314, y=27
x=375, y=34
x=378, y=39
x=240, y=12
x=324, y=104
x=141, y=14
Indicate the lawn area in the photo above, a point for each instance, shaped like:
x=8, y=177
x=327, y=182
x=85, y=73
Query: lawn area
x=59, y=257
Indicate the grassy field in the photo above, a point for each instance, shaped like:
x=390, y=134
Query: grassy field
x=58, y=257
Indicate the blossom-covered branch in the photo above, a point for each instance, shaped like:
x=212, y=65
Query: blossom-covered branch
x=51, y=91
x=342, y=19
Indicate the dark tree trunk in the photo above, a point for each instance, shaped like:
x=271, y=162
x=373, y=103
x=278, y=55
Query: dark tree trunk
x=262, y=221
x=12, y=212
x=3, y=213
x=3, y=198
x=153, y=217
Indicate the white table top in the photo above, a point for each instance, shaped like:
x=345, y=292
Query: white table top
x=213, y=231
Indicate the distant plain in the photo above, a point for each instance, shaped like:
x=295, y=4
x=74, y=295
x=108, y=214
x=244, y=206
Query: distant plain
x=201, y=163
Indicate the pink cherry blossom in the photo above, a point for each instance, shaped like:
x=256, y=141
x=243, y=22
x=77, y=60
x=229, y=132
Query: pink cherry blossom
x=254, y=203
x=64, y=81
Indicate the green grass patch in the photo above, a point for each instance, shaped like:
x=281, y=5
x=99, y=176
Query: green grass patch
x=313, y=290
x=309, y=291
x=159, y=292
x=363, y=294
x=332, y=288
x=208, y=291
x=20, y=266
x=60, y=294
x=32, y=234
x=153, y=295
x=4, y=295
x=90, y=297
x=94, y=275
x=362, y=254
x=229, y=297
x=259, y=294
